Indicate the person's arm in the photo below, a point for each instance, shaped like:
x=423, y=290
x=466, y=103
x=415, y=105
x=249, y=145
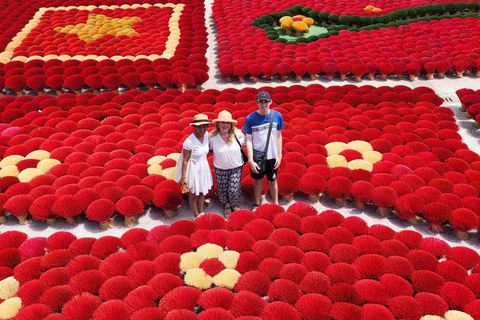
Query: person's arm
x=248, y=142
x=186, y=157
x=279, y=149
x=241, y=137
x=210, y=148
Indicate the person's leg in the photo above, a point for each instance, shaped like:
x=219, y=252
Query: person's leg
x=221, y=179
x=234, y=190
x=257, y=188
x=200, y=202
x=257, y=191
x=272, y=180
x=273, y=187
x=192, y=200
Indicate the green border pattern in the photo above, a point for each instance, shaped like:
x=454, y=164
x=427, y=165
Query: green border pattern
x=334, y=22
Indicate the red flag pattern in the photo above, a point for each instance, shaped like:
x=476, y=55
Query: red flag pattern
x=111, y=32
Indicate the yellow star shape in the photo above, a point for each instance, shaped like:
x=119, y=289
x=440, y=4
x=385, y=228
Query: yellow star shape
x=98, y=25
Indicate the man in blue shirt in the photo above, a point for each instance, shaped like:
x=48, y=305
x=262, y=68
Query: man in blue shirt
x=256, y=128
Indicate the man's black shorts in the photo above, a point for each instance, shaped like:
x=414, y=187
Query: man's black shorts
x=269, y=171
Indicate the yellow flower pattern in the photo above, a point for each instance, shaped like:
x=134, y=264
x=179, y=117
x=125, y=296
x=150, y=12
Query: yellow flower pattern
x=195, y=276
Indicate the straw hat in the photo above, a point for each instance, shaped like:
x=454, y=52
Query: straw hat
x=200, y=119
x=225, y=116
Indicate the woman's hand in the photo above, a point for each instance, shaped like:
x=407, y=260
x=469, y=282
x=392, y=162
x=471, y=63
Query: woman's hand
x=182, y=181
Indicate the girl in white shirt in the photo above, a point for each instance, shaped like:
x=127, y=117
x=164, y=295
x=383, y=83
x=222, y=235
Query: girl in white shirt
x=227, y=160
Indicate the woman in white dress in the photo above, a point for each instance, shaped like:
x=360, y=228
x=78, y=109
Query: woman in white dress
x=196, y=175
x=226, y=141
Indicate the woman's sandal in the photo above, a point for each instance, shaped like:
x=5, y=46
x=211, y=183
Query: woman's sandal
x=227, y=211
x=254, y=207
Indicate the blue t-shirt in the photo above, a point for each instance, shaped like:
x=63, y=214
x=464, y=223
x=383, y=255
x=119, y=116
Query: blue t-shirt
x=257, y=125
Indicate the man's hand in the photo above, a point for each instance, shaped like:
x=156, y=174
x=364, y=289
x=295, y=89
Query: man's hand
x=253, y=166
x=277, y=162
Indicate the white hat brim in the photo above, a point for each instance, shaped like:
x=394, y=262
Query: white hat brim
x=223, y=120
